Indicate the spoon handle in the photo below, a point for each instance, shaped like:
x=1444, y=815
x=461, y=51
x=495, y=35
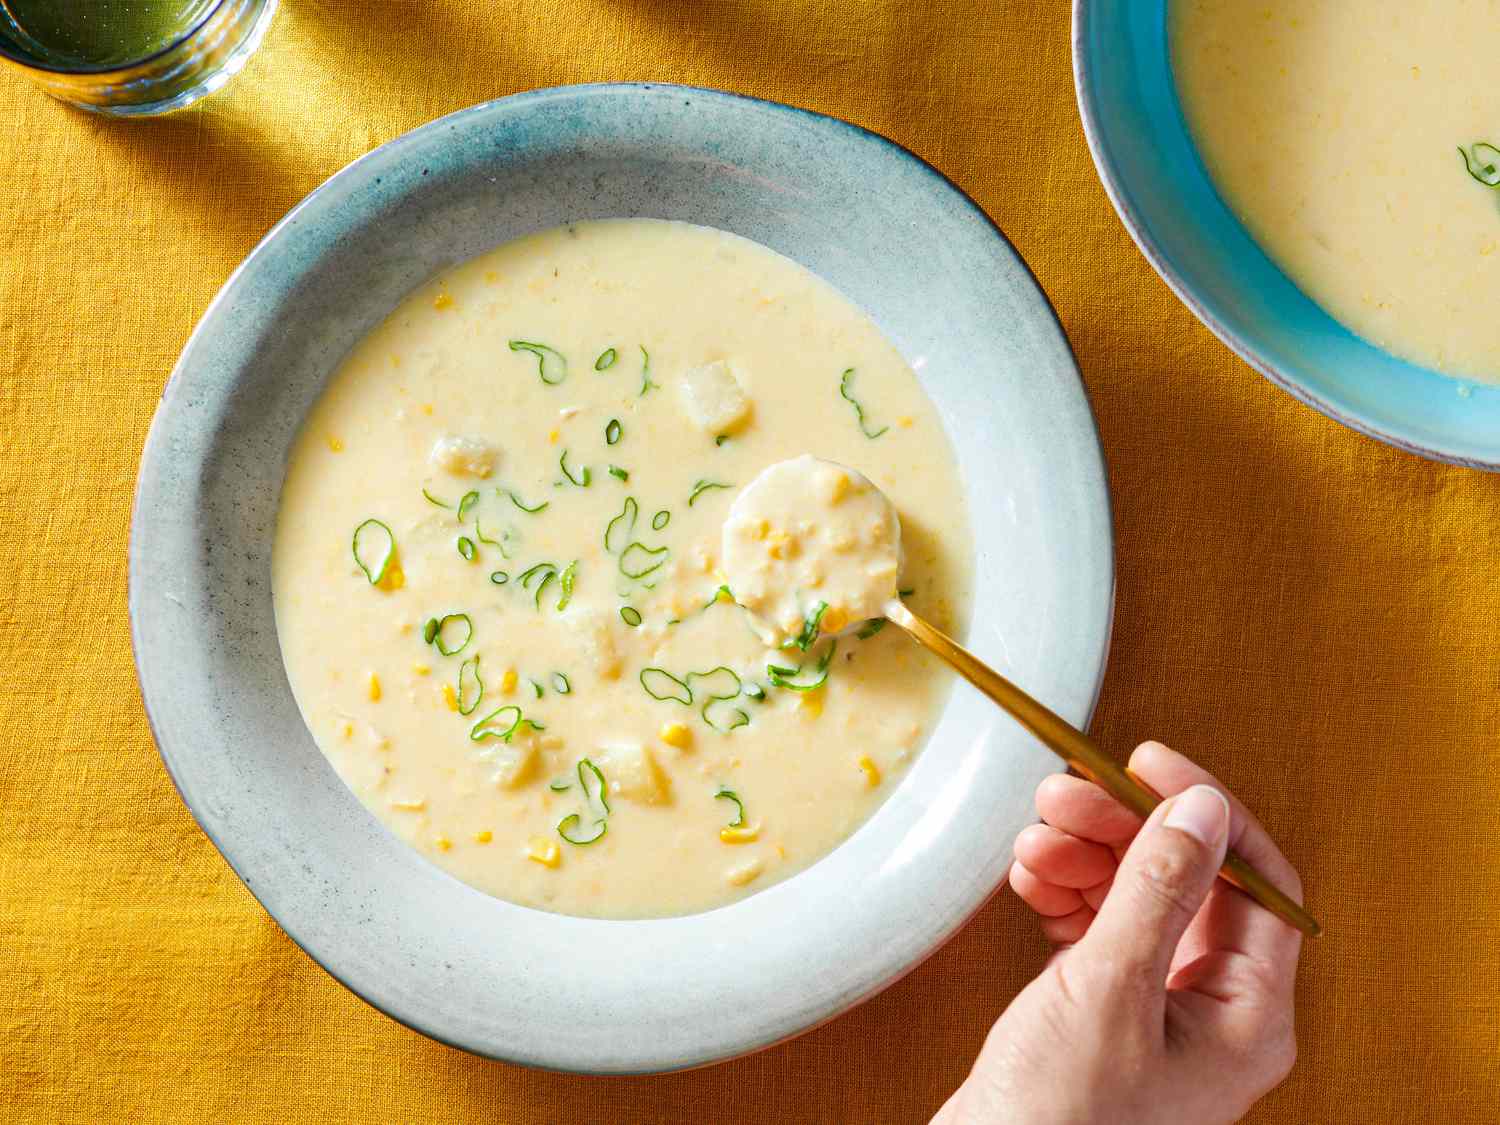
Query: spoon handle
x=1079, y=751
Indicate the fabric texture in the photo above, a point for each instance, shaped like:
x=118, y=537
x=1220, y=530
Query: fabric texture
x=1312, y=615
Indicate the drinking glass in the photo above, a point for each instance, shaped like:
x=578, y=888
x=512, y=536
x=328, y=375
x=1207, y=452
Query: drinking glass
x=131, y=58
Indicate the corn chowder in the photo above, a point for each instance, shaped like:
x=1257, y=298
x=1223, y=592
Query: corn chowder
x=499, y=575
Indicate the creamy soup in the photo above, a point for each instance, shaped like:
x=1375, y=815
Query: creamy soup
x=499, y=578
x=1332, y=128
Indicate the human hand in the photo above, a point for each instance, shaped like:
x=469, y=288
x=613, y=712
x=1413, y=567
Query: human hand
x=1169, y=996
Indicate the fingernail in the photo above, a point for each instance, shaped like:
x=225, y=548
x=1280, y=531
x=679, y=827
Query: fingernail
x=1201, y=812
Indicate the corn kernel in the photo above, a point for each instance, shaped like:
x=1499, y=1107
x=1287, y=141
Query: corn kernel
x=347, y=730
x=744, y=873
x=676, y=734
x=760, y=529
x=410, y=806
x=871, y=770
x=833, y=620
x=543, y=851
x=427, y=408
x=552, y=435
x=490, y=277
x=483, y=837
x=838, y=488
x=905, y=421
x=421, y=669
x=335, y=444
x=443, y=843
x=508, y=681
x=395, y=578
x=781, y=851
x=812, y=703
x=449, y=698
x=739, y=835
x=374, y=688
x=442, y=301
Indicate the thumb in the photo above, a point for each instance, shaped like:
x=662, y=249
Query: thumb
x=1162, y=881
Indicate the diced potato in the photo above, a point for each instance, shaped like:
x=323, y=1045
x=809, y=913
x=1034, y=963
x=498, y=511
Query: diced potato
x=742, y=873
x=594, y=629
x=463, y=456
x=632, y=773
x=713, y=398
x=514, y=764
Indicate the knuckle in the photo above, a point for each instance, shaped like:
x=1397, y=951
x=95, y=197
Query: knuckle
x=1166, y=880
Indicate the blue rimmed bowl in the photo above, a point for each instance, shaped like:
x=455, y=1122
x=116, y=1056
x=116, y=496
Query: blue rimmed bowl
x=579, y=993
x=1163, y=193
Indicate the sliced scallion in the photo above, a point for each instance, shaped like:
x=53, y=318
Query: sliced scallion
x=567, y=828
x=466, y=548
x=630, y=615
x=725, y=794
x=499, y=577
x=560, y=785
x=612, y=431
x=442, y=639
x=595, y=789
x=809, y=632
x=619, y=473
x=606, y=359
x=859, y=411
x=646, y=383
x=551, y=366
x=1482, y=161
x=465, y=502
x=562, y=463
x=663, y=685
x=429, y=630
x=374, y=546
x=498, y=544
x=719, y=685
x=870, y=628
x=518, y=502
x=702, y=486
x=639, y=560
x=561, y=684
x=536, y=688
x=470, y=686
x=785, y=677
x=431, y=499
x=660, y=520
x=500, y=723
x=618, y=531
x=569, y=576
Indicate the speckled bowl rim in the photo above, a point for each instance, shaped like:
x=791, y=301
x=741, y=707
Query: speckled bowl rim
x=519, y=102
x=1329, y=406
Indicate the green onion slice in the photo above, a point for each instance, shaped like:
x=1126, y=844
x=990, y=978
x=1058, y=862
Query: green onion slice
x=809, y=632
x=498, y=544
x=702, y=486
x=561, y=684
x=606, y=359
x=374, y=546
x=660, y=520
x=870, y=628
x=906, y=593
x=562, y=463
x=465, y=502
x=725, y=794
x=500, y=723
x=721, y=439
x=499, y=577
x=466, y=548
x=618, y=473
x=721, y=593
x=429, y=630
x=431, y=499
x=720, y=684
x=785, y=677
x=636, y=561
x=569, y=824
x=859, y=411
x=755, y=691
x=1482, y=161
x=630, y=615
x=595, y=790
x=536, y=688
x=441, y=638
x=612, y=431
x=663, y=685
x=518, y=502
x=560, y=785
x=618, y=531
x=646, y=383
x=569, y=576
x=551, y=366
x=470, y=686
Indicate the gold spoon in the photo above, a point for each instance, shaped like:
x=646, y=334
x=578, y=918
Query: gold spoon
x=1078, y=750
x=812, y=524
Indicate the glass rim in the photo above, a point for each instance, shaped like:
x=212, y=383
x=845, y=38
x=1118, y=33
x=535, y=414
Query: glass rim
x=114, y=68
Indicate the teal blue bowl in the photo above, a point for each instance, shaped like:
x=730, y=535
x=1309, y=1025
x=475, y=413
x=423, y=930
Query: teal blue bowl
x=1163, y=194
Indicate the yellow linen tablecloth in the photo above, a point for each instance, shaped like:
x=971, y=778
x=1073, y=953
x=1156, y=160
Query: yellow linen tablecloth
x=1314, y=616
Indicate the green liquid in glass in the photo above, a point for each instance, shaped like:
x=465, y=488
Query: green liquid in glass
x=95, y=33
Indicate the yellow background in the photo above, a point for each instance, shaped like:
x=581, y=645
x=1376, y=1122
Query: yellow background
x=1312, y=615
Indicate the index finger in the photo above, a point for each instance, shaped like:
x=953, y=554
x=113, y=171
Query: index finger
x=1239, y=923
